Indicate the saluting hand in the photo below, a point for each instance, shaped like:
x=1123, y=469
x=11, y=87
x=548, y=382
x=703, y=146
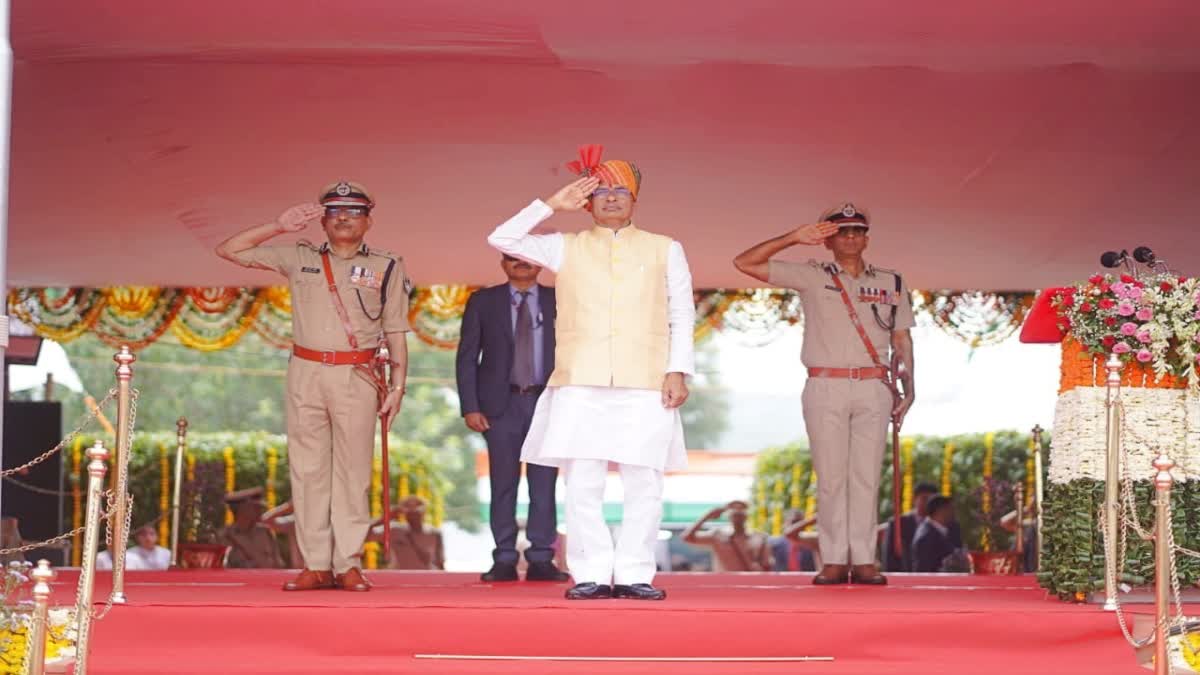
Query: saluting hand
x=674, y=390
x=574, y=196
x=814, y=234
x=299, y=217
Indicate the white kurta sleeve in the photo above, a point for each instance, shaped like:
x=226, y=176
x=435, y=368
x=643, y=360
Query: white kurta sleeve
x=681, y=313
x=512, y=237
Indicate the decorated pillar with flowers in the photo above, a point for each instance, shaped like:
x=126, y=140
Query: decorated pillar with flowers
x=1151, y=322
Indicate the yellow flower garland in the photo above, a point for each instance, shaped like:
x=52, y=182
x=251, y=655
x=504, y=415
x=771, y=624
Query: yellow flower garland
x=371, y=549
x=230, y=480
x=777, y=512
x=947, y=464
x=796, y=497
x=164, y=495
x=77, y=501
x=272, y=470
x=810, y=506
x=906, y=456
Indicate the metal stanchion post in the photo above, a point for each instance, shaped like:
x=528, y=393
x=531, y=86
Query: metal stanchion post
x=40, y=626
x=97, y=454
x=1162, y=561
x=1112, y=482
x=177, y=494
x=119, y=524
x=1038, y=489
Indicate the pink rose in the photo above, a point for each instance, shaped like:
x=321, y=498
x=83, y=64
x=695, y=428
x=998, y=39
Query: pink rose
x=1143, y=336
x=1129, y=328
x=1145, y=314
x=1144, y=355
x=1121, y=348
x=1197, y=315
x=1118, y=288
x=1125, y=308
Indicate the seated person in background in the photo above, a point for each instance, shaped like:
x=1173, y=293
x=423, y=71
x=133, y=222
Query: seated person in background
x=147, y=555
x=922, y=493
x=250, y=542
x=282, y=520
x=735, y=549
x=10, y=537
x=1028, y=533
x=933, y=543
x=804, y=545
x=414, y=546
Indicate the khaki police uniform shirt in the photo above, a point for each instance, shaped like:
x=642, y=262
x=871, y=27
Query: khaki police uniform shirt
x=830, y=338
x=254, y=548
x=360, y=279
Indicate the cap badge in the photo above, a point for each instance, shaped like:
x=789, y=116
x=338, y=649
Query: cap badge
x=343, y=189
x=849, y=211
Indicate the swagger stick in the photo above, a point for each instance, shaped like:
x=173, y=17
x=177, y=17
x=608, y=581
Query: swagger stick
x=385, y=483
x=897, y=545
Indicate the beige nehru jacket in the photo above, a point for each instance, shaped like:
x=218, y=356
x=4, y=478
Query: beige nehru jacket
x=612, y=327
x=830, y=338
x=315, y=323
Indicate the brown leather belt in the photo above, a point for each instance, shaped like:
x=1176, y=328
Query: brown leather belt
x=871, y=373
x=335, y=358
x=535, y=389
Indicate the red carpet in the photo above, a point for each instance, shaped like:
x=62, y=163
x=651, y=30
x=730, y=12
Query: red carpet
x=239, y=622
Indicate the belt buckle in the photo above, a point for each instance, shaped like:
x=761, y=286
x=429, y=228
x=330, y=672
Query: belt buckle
x=856, y=373
x=327, y=358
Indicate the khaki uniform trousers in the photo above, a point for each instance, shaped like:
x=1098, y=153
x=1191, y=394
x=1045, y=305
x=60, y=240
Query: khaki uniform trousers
x=847, y=422
x=331, y=413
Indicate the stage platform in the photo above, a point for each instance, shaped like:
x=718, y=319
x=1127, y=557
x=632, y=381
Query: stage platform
x=239, y=622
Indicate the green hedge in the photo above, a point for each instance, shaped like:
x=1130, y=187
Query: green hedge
x=1073, y=555
x=413, y=466
x=1010, y=452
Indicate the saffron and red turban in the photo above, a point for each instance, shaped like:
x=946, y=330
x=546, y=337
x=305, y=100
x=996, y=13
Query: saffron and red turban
x=613, y=173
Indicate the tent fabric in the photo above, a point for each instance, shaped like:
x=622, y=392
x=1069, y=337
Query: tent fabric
x=997, y=145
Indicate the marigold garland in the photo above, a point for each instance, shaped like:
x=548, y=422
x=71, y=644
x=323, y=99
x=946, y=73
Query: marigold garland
x=211, y=319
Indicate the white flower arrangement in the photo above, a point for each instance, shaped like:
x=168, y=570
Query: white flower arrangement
x=1155, y=421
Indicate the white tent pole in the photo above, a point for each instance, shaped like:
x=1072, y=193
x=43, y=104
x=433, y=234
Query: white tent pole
x=6, y=70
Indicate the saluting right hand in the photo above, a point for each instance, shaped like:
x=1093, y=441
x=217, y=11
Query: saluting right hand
x=573, y=196
x=298, y=217
x=814, y=234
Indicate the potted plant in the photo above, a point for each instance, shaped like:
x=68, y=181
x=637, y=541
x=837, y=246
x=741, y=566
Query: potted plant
x=990, y=542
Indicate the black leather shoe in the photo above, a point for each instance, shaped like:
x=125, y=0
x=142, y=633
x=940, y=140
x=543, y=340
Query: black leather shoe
x=500, y=572
x=545, y=571
x=639, y=592
x=589, y=591
x=867, y=575
x=832, y=575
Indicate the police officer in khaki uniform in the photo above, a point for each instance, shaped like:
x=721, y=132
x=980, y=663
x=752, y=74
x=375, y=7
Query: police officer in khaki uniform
x=847, y=400
x=333, y=395
x=251, y=543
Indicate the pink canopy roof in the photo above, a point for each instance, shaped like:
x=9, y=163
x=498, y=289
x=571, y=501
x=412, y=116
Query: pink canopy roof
x=997, y=144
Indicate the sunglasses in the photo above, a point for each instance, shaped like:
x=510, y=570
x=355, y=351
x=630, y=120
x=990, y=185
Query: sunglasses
x=618, y=192
x=350, y=211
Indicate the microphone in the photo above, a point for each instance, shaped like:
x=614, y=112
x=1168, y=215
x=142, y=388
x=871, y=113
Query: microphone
x=1112, y=259
x=1144, y=255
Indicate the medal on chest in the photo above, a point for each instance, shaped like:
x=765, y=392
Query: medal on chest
x=364, y=277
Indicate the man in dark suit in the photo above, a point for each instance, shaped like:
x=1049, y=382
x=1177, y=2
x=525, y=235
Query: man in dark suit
x=505, y=356
x=933, y=542
x=922, y=493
